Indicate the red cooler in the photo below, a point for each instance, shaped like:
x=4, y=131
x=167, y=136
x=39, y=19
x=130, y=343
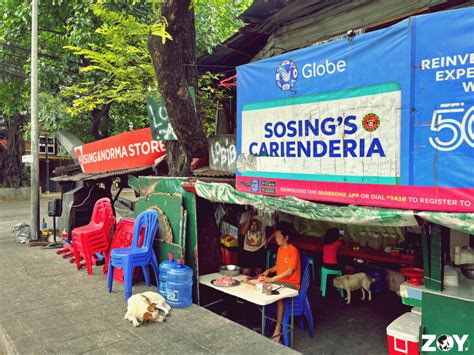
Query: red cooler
x=403, y=334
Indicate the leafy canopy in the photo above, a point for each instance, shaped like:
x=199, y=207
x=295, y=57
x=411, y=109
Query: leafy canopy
x=95, y=52
x=119, y=71
x=216, y=20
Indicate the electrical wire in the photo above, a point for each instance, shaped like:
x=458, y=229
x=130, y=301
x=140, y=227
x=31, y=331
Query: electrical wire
x=90, y=191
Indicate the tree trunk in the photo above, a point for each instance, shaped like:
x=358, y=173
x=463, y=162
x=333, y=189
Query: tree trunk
x=14, y=174
x=98, y=116
x=179, y=162
x=174, y=63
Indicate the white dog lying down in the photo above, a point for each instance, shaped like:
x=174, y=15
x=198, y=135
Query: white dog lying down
x=354, y=282
x=145, y=307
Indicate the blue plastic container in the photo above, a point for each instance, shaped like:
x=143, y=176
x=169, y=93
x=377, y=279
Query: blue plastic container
x=379, y=285
x=164, y=267
x=179, y=286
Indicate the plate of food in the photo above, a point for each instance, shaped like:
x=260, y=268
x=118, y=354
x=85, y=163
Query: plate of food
x=225, y=281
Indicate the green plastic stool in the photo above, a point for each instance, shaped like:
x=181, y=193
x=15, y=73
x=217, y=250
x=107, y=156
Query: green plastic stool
x=311, y=262
x=324, y=275
x=271, y=254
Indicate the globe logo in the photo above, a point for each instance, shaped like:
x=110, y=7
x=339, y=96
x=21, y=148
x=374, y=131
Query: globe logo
x=255, y=185
x=286, y=75
x=444, y=342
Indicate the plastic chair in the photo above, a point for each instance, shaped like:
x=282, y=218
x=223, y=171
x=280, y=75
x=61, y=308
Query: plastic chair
x=324, y=275
x=271, y=255
x=67, y=250
x=301, y=306
x=94, y=237
x=311, y=263
x=122, y=239
x=135, y=256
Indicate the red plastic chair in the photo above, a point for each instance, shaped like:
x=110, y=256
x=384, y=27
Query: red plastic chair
x=94, y=237
x=122, y=239
x=67, y=250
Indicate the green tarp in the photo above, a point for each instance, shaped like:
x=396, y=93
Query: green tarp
x=463, y=222
x=357, y=215
x=369, y=216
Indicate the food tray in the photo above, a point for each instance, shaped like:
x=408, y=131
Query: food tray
x=237, y=283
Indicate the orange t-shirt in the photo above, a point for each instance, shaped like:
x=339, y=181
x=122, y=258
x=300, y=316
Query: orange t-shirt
x=289, y=258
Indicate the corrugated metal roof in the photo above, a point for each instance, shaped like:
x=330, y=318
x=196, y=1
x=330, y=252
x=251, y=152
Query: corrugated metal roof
x=238, y=49
x=262, y=18
x=83, y=176
x=206, y=171
x=278, y=26
x=261, y=10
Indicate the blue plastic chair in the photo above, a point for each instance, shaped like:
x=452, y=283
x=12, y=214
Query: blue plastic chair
x=129, y=258
x=301, y=305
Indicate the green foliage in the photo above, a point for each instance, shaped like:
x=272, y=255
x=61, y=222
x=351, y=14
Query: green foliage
x=211, y=94
x=216, y=20
x=121, y=71
x=13, y=97
x=127, y=116
x=95, y=51
x=58, y=22
x=53, y=116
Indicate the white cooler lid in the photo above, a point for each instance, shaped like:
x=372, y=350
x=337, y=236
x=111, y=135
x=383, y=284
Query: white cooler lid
x=406, y=327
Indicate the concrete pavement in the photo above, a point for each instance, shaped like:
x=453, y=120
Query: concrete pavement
x=47, y=306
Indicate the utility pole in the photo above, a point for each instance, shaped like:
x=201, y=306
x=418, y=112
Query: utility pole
x=47, y=162
x=35, y=196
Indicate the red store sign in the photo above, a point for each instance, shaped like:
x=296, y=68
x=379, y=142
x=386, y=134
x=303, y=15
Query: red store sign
x=128, y=150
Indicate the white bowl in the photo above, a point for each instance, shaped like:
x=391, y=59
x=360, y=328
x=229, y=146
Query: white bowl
x=229, y=270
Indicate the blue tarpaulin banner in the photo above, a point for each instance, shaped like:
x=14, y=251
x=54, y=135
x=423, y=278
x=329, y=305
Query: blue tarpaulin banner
x=382, y=119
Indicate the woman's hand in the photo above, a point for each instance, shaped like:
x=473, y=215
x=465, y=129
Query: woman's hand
x=251, y=212
x=268, y=279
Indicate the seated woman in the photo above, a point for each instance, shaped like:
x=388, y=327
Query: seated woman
x=331, y=246
x=287, y=268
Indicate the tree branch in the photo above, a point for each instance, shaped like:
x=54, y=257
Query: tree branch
x=97, y=116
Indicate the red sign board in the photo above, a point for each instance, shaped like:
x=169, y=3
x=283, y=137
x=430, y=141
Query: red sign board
x=128, y=150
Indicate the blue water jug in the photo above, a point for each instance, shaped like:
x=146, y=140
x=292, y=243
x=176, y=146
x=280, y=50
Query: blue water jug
x=165, y=266
x=179, y=286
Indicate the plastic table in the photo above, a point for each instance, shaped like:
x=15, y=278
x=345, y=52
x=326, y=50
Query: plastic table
x=249, y=293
